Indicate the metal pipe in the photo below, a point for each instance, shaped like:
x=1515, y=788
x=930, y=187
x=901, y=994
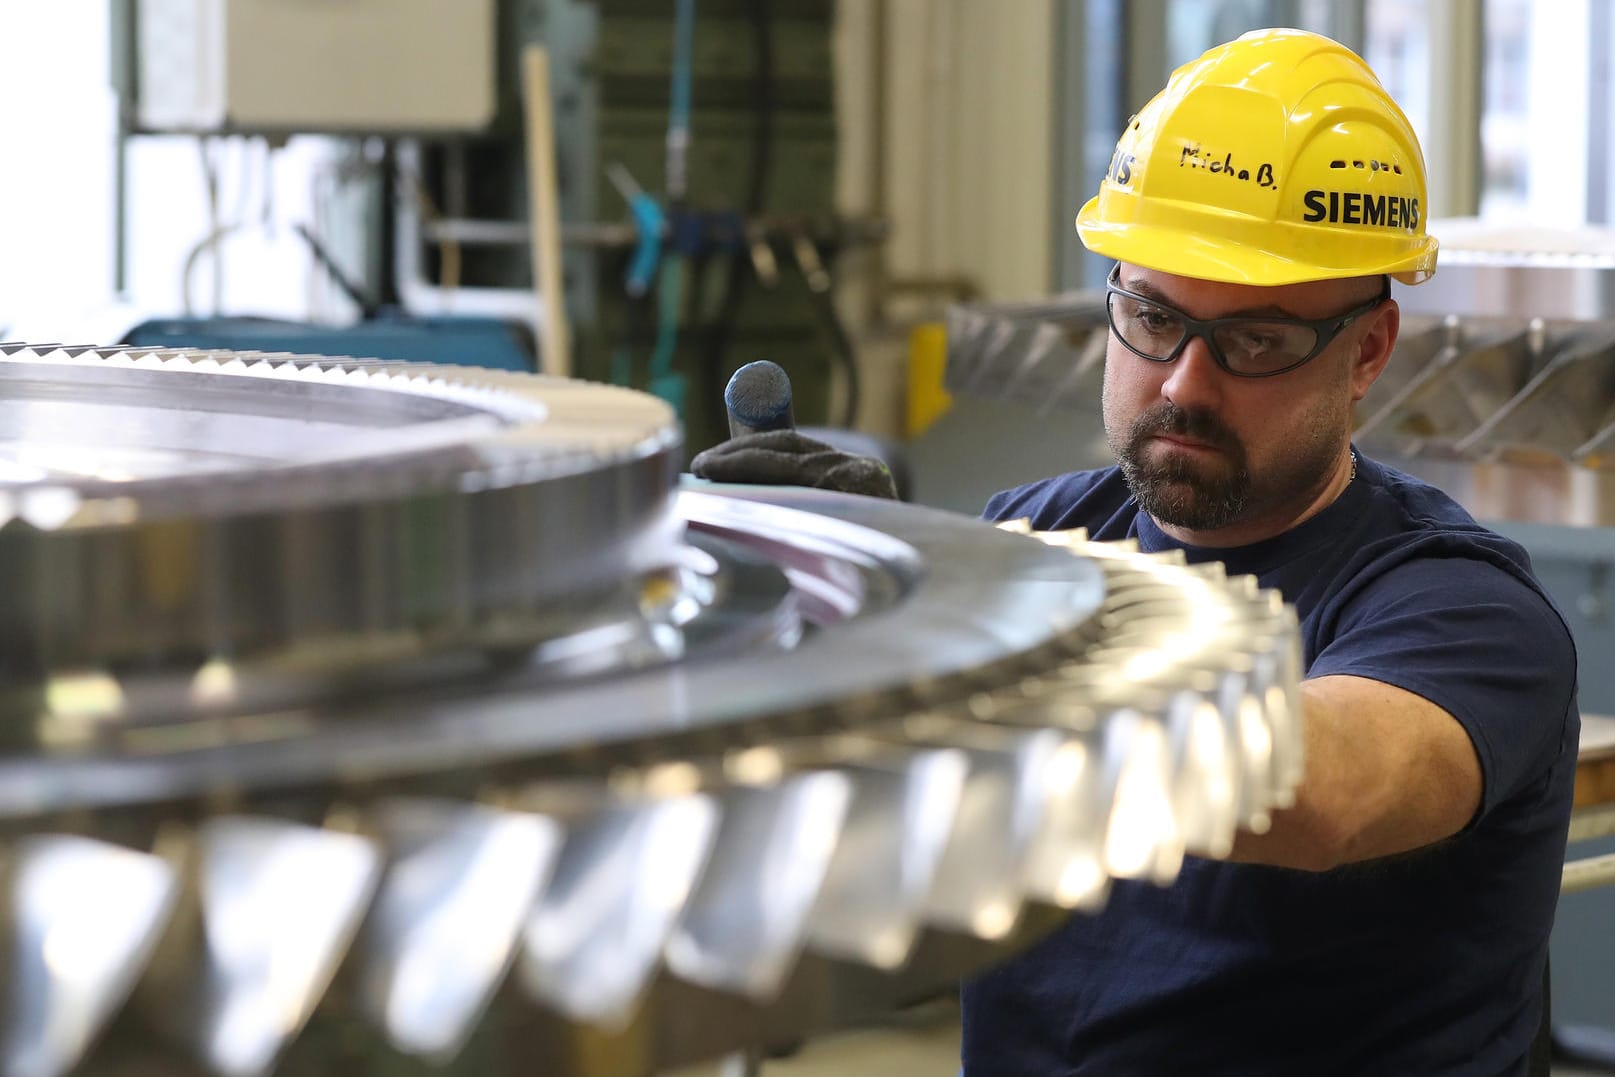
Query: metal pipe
x=1457, y=37
x=836, y=232
x=879, y=204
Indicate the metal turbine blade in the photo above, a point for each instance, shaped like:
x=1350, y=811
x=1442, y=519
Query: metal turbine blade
x=748, y=916
x=885, y=865
x=276, y=906
x=624, y=875
x=84, y=918
x=447, y=920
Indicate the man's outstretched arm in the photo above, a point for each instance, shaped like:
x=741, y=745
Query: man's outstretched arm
x=1387, y=771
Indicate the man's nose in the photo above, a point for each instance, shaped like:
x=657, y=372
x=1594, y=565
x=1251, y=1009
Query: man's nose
x=1194, y=379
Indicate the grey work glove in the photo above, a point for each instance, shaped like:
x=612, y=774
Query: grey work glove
x=786, y=458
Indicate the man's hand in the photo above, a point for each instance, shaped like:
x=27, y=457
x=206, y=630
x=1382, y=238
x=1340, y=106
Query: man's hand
x=786, y=458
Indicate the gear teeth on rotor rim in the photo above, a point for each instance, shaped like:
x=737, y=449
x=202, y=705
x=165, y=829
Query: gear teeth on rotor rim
x=1060, y=782
x=548, y=425
x=1063, y=809
x=336, y=542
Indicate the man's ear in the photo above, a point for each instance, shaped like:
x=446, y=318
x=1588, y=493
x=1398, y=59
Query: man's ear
x=1374, y=347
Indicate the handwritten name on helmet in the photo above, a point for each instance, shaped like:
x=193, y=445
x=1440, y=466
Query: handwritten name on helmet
x=1360, y=207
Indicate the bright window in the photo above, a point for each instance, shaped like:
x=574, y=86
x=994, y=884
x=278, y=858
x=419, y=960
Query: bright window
x=58, y=198
x=1534, y=120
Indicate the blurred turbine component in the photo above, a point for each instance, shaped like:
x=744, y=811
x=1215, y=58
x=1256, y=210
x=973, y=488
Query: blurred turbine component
x=175, y=503
x=422, y=722
x=747, y=918
x=981, y=880
x=1194, y=688
x=448, y=916
x=885, y=865
x=624, y=876
x=274, y=910
x=1049, y=354
x=84, y=918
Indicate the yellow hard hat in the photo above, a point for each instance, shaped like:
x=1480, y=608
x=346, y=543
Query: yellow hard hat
x=1274, y=159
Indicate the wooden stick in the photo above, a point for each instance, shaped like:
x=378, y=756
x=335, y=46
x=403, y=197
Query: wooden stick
x=543, y=214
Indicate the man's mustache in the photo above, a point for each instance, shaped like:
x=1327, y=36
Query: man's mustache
x=1196, y=423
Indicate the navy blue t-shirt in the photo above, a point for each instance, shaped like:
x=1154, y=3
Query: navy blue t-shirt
x=1426, y=963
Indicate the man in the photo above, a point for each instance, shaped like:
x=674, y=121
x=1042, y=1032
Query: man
x=1396, y=919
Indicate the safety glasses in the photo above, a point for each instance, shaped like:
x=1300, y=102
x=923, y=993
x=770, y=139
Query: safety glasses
x=1245, y=347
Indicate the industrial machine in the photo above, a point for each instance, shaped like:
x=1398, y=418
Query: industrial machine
x=369, y=717
x=691, y=208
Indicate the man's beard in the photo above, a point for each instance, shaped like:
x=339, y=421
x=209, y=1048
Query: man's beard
x=1196, y=495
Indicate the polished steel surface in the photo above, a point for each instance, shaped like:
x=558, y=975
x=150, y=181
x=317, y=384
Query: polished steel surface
x=939, y=599
x=446, y=923
x=980, y=881
x=84, y=918
x=1448, y=399
x=595, y=937
x=746, y=919
x=457, y=737
x=268, y=913
x=872, y=903
x=334, y=512
x=1562, y=410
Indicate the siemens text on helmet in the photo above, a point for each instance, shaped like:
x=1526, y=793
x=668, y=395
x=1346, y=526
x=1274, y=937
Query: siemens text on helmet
x=1357, y=207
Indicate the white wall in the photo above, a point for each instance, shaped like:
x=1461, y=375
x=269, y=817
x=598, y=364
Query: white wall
x=968, y=137
x=1560, y=81
x=57, y=124
x=58, y=128
x=262, y=267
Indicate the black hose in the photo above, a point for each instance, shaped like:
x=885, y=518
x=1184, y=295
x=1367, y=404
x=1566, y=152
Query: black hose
x=368, y=308
x=638, y=333
x=721, y=335
x=844, y=353
x=387, y=239
x=762, y=104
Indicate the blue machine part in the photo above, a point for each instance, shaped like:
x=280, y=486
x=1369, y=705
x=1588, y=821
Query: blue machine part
x=458, y=341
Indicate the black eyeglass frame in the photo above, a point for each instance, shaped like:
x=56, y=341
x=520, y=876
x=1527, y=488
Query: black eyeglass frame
x=1327, y=329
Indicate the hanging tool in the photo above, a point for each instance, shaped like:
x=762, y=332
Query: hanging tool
x=649, y=223
x=665, y=382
